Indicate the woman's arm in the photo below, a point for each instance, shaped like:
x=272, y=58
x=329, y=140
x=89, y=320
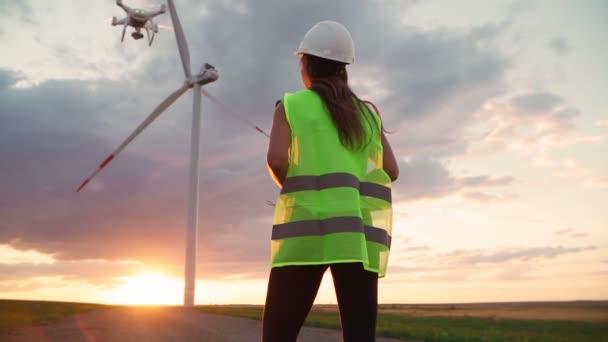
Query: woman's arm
x=390, y=164
x=278, y=148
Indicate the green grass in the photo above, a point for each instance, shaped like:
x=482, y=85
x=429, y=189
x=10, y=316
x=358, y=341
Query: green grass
x=457, y=329
x=452, y=329
x=16, y=313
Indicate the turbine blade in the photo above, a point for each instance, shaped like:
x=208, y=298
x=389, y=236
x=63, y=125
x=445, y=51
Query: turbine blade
x=181, y=39
x=157, y=111
x=232, y=112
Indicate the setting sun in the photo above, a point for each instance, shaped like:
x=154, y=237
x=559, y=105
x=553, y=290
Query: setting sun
x=148, y=288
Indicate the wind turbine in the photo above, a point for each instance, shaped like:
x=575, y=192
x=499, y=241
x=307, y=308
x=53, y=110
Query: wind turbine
x=207, y=74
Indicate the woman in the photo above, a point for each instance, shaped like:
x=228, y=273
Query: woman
x=329, y=155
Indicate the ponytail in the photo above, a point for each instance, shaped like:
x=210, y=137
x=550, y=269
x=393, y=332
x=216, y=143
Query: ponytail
x=330, y=82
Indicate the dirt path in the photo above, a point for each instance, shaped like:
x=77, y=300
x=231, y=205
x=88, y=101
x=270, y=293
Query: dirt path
x=156, y=325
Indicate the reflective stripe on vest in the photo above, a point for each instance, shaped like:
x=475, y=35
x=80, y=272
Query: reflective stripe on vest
x=335, y=180
x=330, y=226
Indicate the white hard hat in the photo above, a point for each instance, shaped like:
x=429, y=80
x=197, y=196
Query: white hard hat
x=329, y=40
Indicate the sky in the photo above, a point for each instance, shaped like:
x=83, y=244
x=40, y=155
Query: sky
x=498, y=117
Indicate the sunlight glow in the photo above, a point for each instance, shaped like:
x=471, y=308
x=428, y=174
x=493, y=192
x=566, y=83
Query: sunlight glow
x=148, y=288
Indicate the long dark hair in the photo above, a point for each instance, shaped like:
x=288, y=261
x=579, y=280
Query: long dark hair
x=348, y=112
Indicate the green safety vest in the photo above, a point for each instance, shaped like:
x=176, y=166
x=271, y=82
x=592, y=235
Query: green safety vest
x=335, y=204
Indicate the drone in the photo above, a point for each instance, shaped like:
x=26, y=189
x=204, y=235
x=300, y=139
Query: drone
x=138, y=19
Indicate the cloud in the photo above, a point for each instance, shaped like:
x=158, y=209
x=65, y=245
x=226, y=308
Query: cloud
x=512, y=254
x=8, y=78
x=30, y=284
x=426, y=178
x=7, y=6
x=499, y=255
x=519, y=7
x=411, y=249
x=20, y=8
x=12, y=256
x=444, y=78
x=535, y=103
x=560, y=45
x=572, y=233
x=483, y=197
x=486, y=181
x=515, y=273
x=602, y=123
x=497, y=264
x=581, y=235
x=98, y=272
x=570, y=169
x=531, y=120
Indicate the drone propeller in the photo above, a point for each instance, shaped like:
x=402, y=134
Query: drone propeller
x=184, y=54
x=165, y=27
x=157, y=111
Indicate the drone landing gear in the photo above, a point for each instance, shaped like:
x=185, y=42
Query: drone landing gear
x=137, y=35
x=150, y=37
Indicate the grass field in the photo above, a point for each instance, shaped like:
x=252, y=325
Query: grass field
x=15, y=313
x=492, y=322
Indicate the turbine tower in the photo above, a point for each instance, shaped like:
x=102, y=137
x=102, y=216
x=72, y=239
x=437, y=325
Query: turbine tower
x=206, y=75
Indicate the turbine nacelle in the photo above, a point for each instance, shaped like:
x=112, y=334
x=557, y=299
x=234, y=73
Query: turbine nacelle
x=207, y=75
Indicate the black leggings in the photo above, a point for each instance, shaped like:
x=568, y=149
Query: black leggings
x=292, y=291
